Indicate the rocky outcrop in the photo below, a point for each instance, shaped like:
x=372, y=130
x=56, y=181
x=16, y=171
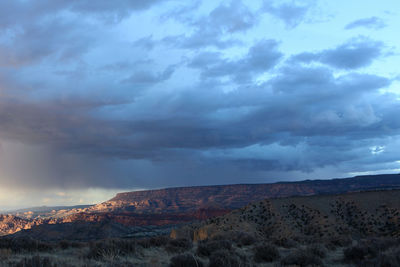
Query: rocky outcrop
x=10, y=224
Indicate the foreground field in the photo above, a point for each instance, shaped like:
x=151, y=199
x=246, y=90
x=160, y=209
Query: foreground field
x=240, y=249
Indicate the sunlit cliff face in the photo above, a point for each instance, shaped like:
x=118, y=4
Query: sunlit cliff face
x=98, y=97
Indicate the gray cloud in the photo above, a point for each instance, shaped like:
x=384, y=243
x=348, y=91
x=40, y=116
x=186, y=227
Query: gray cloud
x=301, y=107
x=37, y=30
x=291, y=14
x=211, y=30
x=237, y=110
x=356, y=53
x=260, y=58
x=59, y=39
x=146, y=42
x=369, y=23
x=146, y=78
x=24, y=12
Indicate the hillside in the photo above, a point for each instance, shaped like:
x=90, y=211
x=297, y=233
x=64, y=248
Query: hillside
x=358, y=215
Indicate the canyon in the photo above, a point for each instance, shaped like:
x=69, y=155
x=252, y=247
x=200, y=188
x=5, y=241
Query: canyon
x=129, y=211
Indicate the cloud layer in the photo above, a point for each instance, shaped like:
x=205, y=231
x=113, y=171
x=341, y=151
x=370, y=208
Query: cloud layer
x=213, y=92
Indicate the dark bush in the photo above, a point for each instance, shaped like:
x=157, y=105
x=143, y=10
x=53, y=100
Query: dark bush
x=226, y=258
x=205, y=248
x=266, y=253
x=102, y=251
x=5, y=253
x=110, y=249
x=359, y=253
x=390, y=258
x=244, y=239
x=302, y=258
x=374, y=252
x=25, y=245
x=318, y=250
x=178, y=245
x=285, y=243
x=381, y=244
x=185, y=260
x=156, y=241
x=159, y=241
x=35, y=261
x=222, y=236
x=338, y=241
x=144, y=243
x=66, y=244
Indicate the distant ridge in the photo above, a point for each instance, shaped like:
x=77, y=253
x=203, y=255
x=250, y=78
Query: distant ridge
x=369, y=181
x=172, y=206
x=46, y=208
x=239, y=195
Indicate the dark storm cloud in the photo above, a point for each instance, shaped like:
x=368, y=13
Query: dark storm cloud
x=319, y=106
x=356, y=53
x=260, y=58
x=71, y=114
x=291, y=14
x=294, y=118
x=369, y=23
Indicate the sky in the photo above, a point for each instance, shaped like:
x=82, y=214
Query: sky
x=98, y=97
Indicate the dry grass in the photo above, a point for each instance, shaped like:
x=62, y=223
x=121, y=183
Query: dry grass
x=162, y=251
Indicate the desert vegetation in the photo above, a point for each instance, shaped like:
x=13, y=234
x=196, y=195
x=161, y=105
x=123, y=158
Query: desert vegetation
x=221, y=250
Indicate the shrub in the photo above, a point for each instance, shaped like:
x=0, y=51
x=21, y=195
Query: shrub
x=35, y=261
x=102, y=251
x=155, y=241
x=110, y=249
x=178, y=245
x=390, y=258
x=222, y=236
x=226, y=258
x=66, y=244
x=24, y=245
x=338, y=241
x=144, y=243
x=285, y=243
x=5, y=253
x=205, y=248
x=302, y=258
x=244, y=239
x=185, y=260
x=159, y=241
x=359, y=253
x=317, y=250
x=383, y=243
x=266, y=253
